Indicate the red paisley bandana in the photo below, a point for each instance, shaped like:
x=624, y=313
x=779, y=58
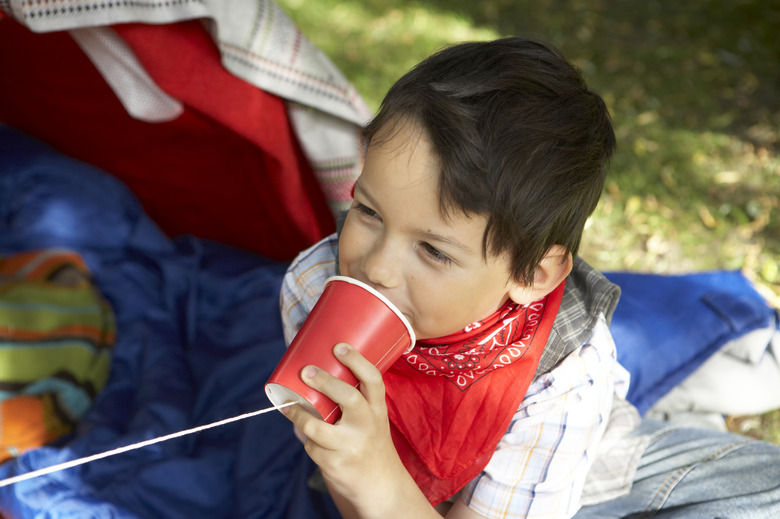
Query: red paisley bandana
x=451, y=399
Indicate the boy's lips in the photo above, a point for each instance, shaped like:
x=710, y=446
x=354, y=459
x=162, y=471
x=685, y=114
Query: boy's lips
x=407, y=314
x=400, y=308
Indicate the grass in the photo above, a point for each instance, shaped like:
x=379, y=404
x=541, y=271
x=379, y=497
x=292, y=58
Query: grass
x=694, y=92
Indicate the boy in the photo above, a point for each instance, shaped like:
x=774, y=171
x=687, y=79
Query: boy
x=482, y=167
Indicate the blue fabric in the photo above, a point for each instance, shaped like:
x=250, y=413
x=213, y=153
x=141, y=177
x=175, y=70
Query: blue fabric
x=199, y=333
x=666, y=326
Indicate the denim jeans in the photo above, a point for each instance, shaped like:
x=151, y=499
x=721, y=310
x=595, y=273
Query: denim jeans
x=700, y=474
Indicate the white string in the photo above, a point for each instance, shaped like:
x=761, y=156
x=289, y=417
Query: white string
x=145, y=443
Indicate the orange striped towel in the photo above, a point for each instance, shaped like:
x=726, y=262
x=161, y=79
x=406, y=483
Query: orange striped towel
x=56, y=338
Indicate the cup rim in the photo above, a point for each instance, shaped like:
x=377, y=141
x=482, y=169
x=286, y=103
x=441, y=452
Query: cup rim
x=382, y=298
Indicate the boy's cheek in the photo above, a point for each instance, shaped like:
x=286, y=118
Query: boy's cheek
x=350, y=254
x=346, y=248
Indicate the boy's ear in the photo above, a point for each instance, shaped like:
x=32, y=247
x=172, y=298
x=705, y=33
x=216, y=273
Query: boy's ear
x=551, y=271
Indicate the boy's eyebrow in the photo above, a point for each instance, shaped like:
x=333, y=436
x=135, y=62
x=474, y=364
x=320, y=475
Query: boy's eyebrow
x=427, y=235
x=360, y=189
x=448, y=240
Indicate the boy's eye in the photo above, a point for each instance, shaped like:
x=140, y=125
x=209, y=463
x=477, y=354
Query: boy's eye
x=365, y=210
x=435, y=254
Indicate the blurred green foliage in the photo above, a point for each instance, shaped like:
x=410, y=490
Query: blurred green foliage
x=694, y=92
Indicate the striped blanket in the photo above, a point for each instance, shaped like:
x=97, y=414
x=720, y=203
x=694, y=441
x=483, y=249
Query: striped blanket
x=56, y=338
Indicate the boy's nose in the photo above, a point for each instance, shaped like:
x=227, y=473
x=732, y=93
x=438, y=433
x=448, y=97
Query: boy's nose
x=382, y=265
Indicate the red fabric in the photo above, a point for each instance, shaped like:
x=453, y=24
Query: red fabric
x=451, y=400
x=229, y=168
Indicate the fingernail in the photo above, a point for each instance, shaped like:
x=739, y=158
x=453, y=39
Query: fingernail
x=341, y=349
x=309, y=371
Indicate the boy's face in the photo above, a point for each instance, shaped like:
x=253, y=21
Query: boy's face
x=396, y=240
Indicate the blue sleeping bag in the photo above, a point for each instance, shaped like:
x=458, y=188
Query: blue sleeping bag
x=667, y=326
x=199, y=332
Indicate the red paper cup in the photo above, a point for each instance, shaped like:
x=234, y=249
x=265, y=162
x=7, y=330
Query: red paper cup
x=348, y=311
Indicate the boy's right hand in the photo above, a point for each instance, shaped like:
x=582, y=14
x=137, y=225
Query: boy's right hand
x=356, y=455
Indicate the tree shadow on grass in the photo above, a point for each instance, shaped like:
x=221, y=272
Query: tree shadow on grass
x=698, y=64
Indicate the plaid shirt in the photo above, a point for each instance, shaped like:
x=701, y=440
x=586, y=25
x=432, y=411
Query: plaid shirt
x=540, y=466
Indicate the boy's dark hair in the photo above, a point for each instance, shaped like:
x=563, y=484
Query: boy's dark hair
x=519, y=136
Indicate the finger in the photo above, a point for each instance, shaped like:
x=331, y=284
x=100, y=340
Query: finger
x=343, y=393
x=311, y=427
x=304, y=423
x=371, y=384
